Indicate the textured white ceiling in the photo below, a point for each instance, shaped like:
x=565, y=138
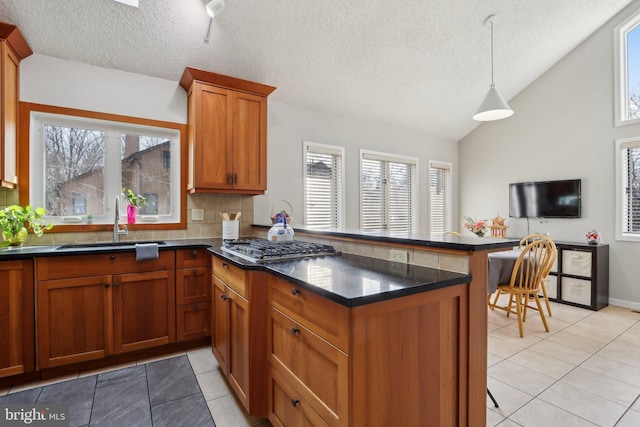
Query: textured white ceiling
x=422, y=64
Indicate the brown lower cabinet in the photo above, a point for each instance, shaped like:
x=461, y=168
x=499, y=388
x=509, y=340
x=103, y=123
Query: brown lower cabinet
x=16, y=317
x=238, y=337
x=193, y=293
x=119, y=305
x=400, y=362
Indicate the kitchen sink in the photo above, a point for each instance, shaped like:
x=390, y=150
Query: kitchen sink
x=107, y=244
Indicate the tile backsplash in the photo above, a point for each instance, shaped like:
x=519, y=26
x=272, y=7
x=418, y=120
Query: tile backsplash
x=209, y=227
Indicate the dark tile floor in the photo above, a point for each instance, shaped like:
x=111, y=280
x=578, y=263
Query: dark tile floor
x=158, y=394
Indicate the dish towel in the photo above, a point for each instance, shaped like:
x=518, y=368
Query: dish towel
x=145, y=251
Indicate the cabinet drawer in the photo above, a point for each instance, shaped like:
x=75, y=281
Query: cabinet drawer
x=287, y=408
x=188, y=258
x=192, y=285
x=551, y=284
x=315, y=368
x=324, y=317
x=577, y=263
x=576, y=290
x=194, y=320
x=233, y=276
x=50, y=268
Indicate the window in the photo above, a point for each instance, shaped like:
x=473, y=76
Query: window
x=439, y=197
x=628, y=189
x=387, y=192
x=627, y=51
x=78, y=165
x=323, y=200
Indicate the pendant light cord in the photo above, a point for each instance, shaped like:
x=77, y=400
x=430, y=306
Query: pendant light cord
x=491, y=30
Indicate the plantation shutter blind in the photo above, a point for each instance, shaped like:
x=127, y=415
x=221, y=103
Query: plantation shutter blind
x=440, y=197
x=387, y=193
x=323, y=187
x=631, y=187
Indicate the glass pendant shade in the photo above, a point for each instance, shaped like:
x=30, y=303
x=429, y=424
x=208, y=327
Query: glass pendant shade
x=493, y=107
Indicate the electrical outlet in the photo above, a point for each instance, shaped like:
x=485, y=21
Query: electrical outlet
x=399, y=256
x=197, y=214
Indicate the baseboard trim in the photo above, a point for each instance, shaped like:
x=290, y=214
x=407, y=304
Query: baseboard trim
x=626, y=304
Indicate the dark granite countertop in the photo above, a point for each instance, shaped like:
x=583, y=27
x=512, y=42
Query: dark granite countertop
x=64, y=249
x=460, y=243
x=353, y=280
x=347, y=279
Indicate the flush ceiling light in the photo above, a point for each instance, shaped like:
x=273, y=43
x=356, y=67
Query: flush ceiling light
x=214, y=7
x=493, y=107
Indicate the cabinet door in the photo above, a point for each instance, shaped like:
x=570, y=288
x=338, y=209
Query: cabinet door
x=212, y=159
x=193, y=320
x=238, y=375
x=9, y=116
x=249, y=142
x=192, y=285
x=74, y=320
x=220, y=324
x=144, y=310
x=287, y=407
x=16, y=317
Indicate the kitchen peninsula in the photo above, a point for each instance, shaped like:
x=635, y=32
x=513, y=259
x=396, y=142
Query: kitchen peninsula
x=416, y=359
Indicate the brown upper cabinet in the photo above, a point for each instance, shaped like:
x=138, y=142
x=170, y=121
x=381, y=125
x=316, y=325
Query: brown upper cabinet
x=227, y=121
x=13, y=49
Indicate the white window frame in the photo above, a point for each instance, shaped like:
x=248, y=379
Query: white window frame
x=621, y=80
x=388, y=157
x=324, y=149
x=620, y=146
x=113, y=130
x=436, y=164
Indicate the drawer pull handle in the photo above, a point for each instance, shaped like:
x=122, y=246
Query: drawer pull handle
x=116, y=285
x=112, y=257
x=194, y=253
x=295, y=331
x=295, y=402
x=294, y=291
x=195, y=306
x=225, y=265
x=106, y=285
x=194, y=272
x=224, y=297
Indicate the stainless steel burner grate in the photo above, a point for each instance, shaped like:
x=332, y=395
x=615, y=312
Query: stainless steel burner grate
x=262, y=250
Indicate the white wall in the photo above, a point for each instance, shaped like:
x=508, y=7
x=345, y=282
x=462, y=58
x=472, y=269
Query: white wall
x=563, y=128
x=53, y=81
x=289, y=126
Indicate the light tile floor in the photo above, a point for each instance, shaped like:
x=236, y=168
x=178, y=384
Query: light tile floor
x=584, y=372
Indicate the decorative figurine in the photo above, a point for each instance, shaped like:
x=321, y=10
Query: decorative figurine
x=498, y=229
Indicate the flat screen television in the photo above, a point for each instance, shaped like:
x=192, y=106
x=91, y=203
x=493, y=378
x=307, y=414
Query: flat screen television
x=545, y=199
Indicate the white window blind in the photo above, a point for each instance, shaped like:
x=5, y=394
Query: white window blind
x=630, y=188
x=387, y=191
x=323, y=185
x=440, y=197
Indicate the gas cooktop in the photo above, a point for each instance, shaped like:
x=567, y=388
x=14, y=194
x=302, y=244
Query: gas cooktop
x=262, y=250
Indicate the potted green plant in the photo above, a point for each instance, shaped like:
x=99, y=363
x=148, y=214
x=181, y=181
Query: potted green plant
x=134, y=202
x=14, y=221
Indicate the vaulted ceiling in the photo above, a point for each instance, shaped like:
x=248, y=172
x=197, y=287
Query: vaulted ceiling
x=421, y=64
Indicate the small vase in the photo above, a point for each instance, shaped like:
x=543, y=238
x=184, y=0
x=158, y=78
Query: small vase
x=17, y=239
x=131, y=214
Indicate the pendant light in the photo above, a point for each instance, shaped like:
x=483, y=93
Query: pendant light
x=493, y=107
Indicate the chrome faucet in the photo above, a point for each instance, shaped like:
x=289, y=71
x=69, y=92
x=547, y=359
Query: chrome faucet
x=117, y=232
